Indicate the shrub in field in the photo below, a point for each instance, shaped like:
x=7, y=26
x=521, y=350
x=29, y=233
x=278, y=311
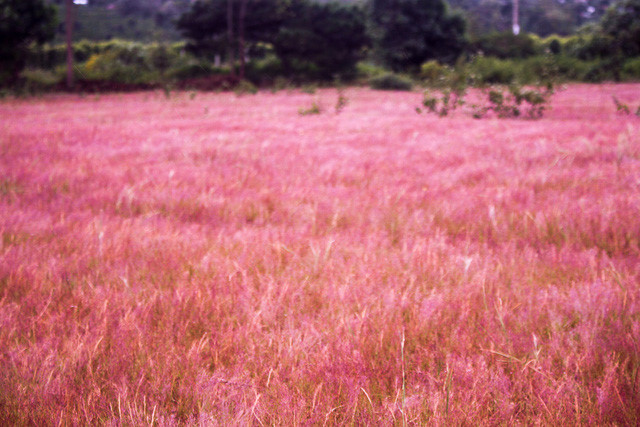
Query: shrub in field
x=367, y=70
x=600, y=71
x=161, y=58
x=514, y=101
x=571, y=68
x=128, y=66
x=391, y=81
x=313, y=110
x=447, y=102
x=623, y=108
x=488, y=70
x=505, y=102
x=506, y=45
x=342, y=101
x=631, y=69
x=245, y=87
x=280, y=83
x=432, y=72
x=309, y=89
x=193, y=69
x=38, y=80
x=537, y=69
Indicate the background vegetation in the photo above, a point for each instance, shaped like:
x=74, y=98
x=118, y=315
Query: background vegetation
x=275, y=43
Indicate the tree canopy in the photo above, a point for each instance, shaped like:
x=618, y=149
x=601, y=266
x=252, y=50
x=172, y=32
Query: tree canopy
x=317, y=40
x=622, y=23
x=326, y=39
x=410, y=32
x=205, y=24
x=22, y=22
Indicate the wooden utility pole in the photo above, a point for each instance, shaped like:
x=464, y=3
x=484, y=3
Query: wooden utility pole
x=516, y=25
x=230, y=51
x=241, y=18
x=69, y=18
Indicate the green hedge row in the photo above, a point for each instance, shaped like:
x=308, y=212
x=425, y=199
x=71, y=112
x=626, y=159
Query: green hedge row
x=132, y=63
x=483, y=70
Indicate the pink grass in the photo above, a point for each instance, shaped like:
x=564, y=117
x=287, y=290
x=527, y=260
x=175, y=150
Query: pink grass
x=225, y=260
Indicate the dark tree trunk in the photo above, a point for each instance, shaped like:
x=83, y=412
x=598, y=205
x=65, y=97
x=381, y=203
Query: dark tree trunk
x=230, y=50
x=69, y=18
x=516, y=12
x=241, y=19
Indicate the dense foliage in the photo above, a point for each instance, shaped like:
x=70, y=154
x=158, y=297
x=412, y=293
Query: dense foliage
x=541, y=17
x=297, y=42
x=205, y=24
x=622, y=24
x=310, y=39
x=141, y=20
x=410, y=32
x=506, y=45
x=321, y=40
x=22, y=22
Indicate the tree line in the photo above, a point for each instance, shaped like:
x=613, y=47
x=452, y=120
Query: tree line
x=324, y=40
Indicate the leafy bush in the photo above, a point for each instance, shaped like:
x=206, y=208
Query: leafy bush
x=280, y=83
x=487, y=70
x=314, y=109
x=505, y=102
x=193, y=69
x=245, y=87
x=450, y=100
x=506, y=45
x=631, y=69
x=555, y=47
x=342, y=101
x=367, y=70
x=432, y=72
x=161, y=57
x=515, y=101
x=38, y=80
x=127, y=67
x=600, y=71
x=571, y=68
x=264, y=71
x=391, y=81
x=589, y=46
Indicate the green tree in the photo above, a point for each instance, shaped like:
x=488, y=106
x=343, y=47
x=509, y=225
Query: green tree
x=410, y=32
x=321, y=41
x=22, y=22
x=210, y=24
x=317, y=40
x=622, y=23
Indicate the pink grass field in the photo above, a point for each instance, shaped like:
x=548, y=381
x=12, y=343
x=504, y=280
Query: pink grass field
x=211, y=259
